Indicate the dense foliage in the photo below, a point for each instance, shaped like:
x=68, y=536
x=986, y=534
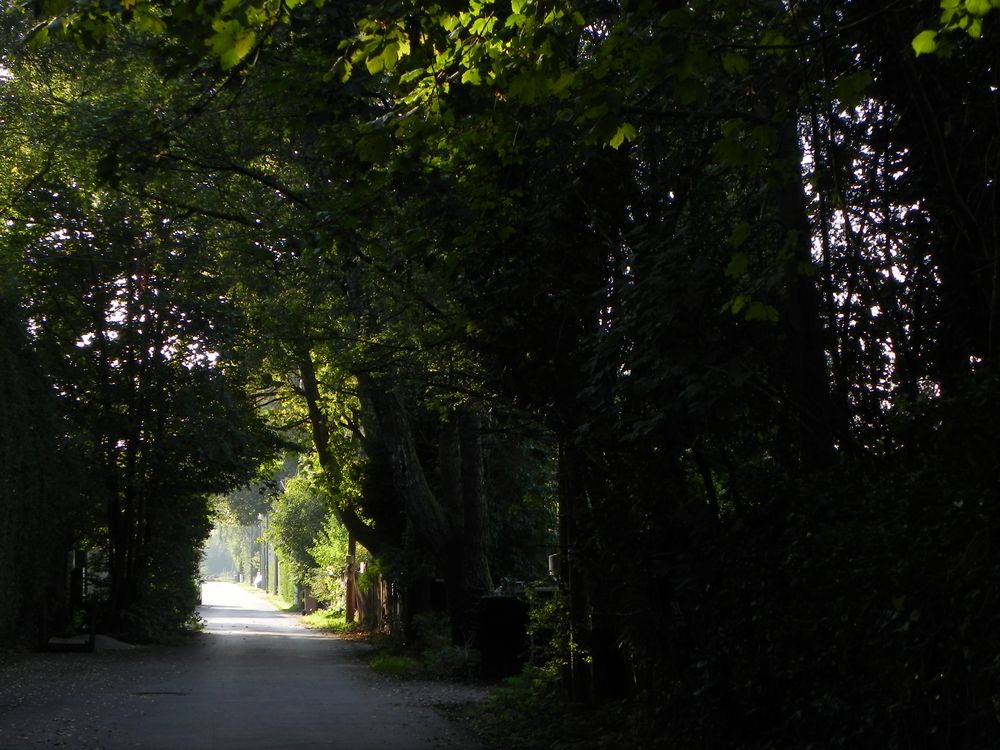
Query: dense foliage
x=36, y=491
x=129, y=342
x=705, y=293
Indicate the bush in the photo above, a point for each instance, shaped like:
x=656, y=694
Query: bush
x=525, y=712
x=394, y=665
x=439, y=658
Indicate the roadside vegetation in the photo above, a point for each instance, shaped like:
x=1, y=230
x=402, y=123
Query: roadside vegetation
x=330, y=621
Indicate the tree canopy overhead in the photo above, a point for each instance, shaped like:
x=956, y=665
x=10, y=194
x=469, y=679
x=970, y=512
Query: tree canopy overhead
x=701, y=297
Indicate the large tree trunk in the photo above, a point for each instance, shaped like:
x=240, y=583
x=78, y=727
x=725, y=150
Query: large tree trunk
x=426, y=515
x=957, y=166
x=468, y=576
x=805, y=371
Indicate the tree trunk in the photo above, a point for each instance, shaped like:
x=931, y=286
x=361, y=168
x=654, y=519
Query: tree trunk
x=806, y=373
x=428, y=518
x=468, y=575
x=577, y=674
x=355, y=526
x=450, y=465
x=478, y=580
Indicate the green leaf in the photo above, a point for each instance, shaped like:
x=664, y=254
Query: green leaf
x=563, y=82
x=774, y=41
x=763, y=312
x=375, y=64
x=231, y=42
x=38, y=38
x=482, y=26
x=731, y=128
x=472, y=76
x=341, y=70
x=740, y=234
x=149, y=23
x=526, y=87
x=925, y=42
x=730, y=152
x=738, y=265
x=850, y=89
x=374, y=148
x=690, y=91
x=735, y=65
x=625, y=132
x=241, y=48
x=385, y=60
x=978, y=7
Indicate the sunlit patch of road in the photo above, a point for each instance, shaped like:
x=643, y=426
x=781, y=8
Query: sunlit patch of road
x=230, y=610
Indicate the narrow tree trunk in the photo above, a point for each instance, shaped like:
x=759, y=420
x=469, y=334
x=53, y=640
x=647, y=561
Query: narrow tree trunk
x=355, y=526
x=351, y=589
x=450, y=467
x=478, y=580
x=577, y=674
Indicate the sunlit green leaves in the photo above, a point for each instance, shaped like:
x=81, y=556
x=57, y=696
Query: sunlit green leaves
x=150, y=23
x=956, y=16
x=925, y=42
x=978, y=7
x=625, y=132
x=38, y=37
x=379, y=46
x=231, y=42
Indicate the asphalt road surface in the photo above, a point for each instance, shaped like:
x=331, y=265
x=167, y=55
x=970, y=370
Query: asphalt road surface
x=256, y=679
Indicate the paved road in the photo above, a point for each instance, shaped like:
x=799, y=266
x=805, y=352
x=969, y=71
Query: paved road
x=255, y=680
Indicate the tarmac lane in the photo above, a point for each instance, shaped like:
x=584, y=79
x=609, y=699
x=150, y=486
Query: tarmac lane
x=255, y=679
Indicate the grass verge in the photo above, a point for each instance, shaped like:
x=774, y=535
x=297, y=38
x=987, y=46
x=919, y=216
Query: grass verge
x=328, y=620
x=394, y=665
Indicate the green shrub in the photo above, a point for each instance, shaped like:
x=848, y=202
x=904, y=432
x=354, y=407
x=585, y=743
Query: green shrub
x=522, y=712
x=450, y=662
x=394, y=665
